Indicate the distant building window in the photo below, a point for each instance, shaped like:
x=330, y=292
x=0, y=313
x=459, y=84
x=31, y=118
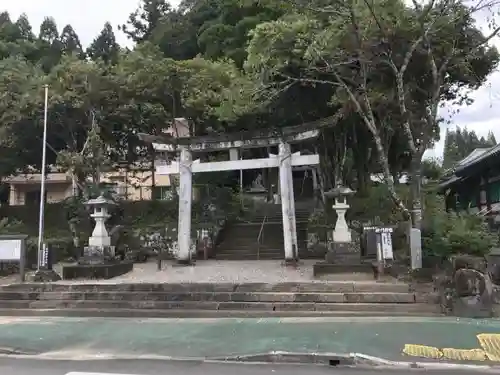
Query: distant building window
x=163, y=193
x=116, y=189
x=494, y=190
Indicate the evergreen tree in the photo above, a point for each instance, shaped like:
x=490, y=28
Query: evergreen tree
x=50, y=46
x=491, y=140
x=145, y=19
x=70, y=43
x=459, y=143
x=105, y=46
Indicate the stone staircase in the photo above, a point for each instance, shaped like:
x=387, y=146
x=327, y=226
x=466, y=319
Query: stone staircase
x=216, y=299
x=240, y=240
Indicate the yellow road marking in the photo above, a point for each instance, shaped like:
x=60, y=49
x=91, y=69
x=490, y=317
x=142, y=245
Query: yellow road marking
x=490, y=342
x=422, y=351
x=490, y=350
x=465, y=354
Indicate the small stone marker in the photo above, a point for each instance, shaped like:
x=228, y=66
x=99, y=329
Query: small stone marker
x=369, y=243
x=416, y=248
x=45, y=258
x=13, y=250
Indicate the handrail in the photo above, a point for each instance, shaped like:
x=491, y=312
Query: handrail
x=261, y=234
x=485, y=211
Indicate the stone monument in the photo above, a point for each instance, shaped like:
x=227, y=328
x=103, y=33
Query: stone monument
x=99, y=249
x=257, y=191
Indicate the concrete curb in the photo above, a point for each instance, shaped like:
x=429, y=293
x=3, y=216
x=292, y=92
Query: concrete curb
x=427, y=365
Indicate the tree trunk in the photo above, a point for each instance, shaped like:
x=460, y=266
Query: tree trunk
x=153, y=171
x=415, y=190
x=75, y=192
x=75, y=237
x=387, y=176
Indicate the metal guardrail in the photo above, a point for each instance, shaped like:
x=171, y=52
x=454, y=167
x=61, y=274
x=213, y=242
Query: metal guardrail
x=261, y=235
x=485, y=211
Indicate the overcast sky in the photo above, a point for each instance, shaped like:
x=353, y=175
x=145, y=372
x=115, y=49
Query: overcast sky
x=88, y=17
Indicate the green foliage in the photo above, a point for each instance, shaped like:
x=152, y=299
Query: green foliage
x=376, y=206
x=432, y=169
x=445, y=234
x=235, y=65
x=10, y=226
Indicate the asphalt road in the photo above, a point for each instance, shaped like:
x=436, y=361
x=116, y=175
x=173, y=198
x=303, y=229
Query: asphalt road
x=150, y=367
x=209, y=338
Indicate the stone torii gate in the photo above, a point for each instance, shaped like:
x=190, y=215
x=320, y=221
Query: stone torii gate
x=186, y=166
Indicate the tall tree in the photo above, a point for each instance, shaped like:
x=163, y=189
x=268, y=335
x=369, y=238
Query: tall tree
x=17, y=39
x=145, y=19
x=24, y=27
x=375, y=56
x=20, y=113
x=105, y=46
x=48, y=31
x=459, y=143
x=70, y=43
x=490, y=139
x=50, y=45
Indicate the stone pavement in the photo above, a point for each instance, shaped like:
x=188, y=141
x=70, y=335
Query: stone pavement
x=213, y=271
x=381, y=337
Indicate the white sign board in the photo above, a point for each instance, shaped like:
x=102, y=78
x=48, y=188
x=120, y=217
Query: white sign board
x=387, y=252
x=384, y=243
x=10, y=249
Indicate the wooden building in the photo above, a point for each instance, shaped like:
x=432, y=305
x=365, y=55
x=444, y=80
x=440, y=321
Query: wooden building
x=474, y=184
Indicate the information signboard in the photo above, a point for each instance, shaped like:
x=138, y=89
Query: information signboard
x=13, y=249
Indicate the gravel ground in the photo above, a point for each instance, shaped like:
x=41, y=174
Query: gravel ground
x=213, y=271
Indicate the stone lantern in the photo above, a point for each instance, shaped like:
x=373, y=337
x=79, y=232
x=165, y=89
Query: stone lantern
x=99, y=249
x=341, y=235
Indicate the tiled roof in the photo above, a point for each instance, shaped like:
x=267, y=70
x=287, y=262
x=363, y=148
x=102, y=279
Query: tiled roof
x=479, y=157
x=458, y=173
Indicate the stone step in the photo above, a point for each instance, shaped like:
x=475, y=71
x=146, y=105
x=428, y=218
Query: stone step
x=214, y=305
x=252, y=250
x=377, y=297
x=284, y=287
x=426, y=311
x=271, y=218
x=255, y=227
x=250, y=256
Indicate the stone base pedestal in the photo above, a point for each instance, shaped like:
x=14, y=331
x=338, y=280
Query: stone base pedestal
x=292, y=263
x=184, y=263
x=341, y=258
x=96, y=271
x=93, y=255
x=342, y=253
x=44, y=276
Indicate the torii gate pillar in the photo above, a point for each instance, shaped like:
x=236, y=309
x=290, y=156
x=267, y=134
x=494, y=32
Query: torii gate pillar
x=287, y=203
x=184, y=255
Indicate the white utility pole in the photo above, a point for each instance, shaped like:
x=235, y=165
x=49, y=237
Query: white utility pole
x=42, y=187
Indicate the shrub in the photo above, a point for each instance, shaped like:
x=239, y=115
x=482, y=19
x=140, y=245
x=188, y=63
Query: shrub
x=446, y=233
x=376, y=206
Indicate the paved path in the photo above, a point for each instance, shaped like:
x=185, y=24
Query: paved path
x=381, y=337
